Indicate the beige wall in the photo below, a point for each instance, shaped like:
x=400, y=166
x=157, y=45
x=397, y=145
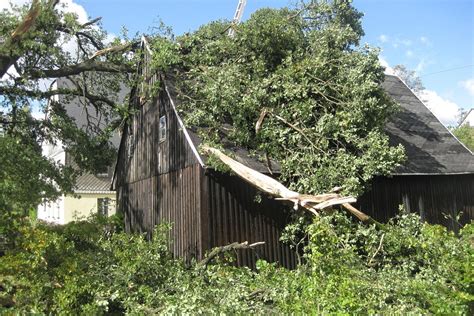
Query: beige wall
x=85, y=205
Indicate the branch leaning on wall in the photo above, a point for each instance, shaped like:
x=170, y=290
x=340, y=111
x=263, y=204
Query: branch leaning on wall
x=311, y=203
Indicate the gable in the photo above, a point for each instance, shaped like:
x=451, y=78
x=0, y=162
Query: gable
x=430, y=147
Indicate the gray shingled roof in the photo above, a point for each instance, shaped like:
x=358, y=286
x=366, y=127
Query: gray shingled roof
x=92, y=183
x=429, y=146
x=76, y=110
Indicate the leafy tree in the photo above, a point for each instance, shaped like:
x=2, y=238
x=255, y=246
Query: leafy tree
x=33, y=53
x=300, y=76
x=88, y=268
x=410, y=78
x=465, y=133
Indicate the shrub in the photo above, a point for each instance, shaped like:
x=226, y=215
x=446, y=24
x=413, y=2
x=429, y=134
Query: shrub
x=91, y=267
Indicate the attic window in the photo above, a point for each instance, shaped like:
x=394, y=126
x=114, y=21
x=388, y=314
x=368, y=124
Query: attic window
x=162, y=133
x=130, y=144
x=103, y=172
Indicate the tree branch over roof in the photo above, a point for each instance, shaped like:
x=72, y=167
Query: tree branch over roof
x=88, y=65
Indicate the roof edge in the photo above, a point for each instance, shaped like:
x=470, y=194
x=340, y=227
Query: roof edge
x=421, y=101
x=431, y=174
x=94, y=192
x=183, y=127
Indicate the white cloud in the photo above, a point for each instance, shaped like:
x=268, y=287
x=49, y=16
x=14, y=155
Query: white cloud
x=421, y=65
x=405, y=42
x=445, y=110
x=468, y=85
x=71, y=6
x=63, y=6
x=384, y=63
x=409, y=53
x=425, y=41
x=397, y=42
x=5, y=4
x=383, y=38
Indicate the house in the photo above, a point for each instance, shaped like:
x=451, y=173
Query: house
x=92, y=194
x=161, y=177
x=437, y=179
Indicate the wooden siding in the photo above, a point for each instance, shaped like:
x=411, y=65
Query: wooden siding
x=234, y=216
x=158, y=180
x=433, y=197
x=174, y=198
x=146, y=155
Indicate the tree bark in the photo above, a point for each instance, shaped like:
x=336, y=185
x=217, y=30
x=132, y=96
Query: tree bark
x=312, y=203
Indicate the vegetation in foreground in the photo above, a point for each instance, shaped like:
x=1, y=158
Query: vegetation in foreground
x=92, y=267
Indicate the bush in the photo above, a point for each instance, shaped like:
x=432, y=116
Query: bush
x=91, y=267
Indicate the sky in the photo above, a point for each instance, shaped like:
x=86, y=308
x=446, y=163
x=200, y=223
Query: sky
x=433, y=37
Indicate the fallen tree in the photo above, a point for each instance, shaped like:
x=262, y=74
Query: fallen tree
x=311, y=203
x=292, y=85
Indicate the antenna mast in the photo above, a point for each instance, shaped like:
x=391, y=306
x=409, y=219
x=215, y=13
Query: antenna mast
x=237, y=16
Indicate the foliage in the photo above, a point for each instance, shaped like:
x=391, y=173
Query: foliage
x=20, y=159
x=92, y=267
x=465, y=133
x=410, y=78
x=39, y=43
x=303, y=74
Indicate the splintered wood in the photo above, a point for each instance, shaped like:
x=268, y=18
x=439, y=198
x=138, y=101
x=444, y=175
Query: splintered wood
x=312, y=203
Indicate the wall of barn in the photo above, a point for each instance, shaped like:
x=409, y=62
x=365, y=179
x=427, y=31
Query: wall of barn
x=158, y=178
x=438, y=198
x=234, y=215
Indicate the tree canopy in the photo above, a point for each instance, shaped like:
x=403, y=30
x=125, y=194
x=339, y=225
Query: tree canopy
x=293, y=85
x=39, y=43
x=465, y=133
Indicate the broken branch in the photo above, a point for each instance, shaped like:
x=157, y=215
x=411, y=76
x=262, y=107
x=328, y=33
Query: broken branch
x=312, y=203
x=233, y=246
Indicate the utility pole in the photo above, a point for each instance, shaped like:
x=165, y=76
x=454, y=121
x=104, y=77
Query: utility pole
x=237, y=16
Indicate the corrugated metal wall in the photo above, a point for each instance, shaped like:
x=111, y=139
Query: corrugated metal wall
x=433, y=197
x=235, y=216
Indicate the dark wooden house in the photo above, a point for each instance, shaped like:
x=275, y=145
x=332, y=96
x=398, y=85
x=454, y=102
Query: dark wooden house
x=161, y=177
x=437, y=179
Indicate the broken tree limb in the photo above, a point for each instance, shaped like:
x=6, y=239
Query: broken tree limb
x=364, y=218
x=233, y=246
x=312, y=203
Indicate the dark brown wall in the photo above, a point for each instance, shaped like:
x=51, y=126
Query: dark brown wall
x=159, y=181
x=235, y=216
x=430, y=196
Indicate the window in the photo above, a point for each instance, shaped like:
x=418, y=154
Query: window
x=103, y=172
x=130, y=144
x=103, y=206
x=162, y=133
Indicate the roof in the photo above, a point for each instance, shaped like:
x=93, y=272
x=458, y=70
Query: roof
x=238, y=153
x=86, y=117
x=89, y=183
x=430, y=147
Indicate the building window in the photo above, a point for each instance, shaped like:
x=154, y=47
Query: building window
x=162, y=134
x=131, y=144
x=103, y=205
x=103, y=172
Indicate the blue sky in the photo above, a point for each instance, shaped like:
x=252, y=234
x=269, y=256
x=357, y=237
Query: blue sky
x=433, y=37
